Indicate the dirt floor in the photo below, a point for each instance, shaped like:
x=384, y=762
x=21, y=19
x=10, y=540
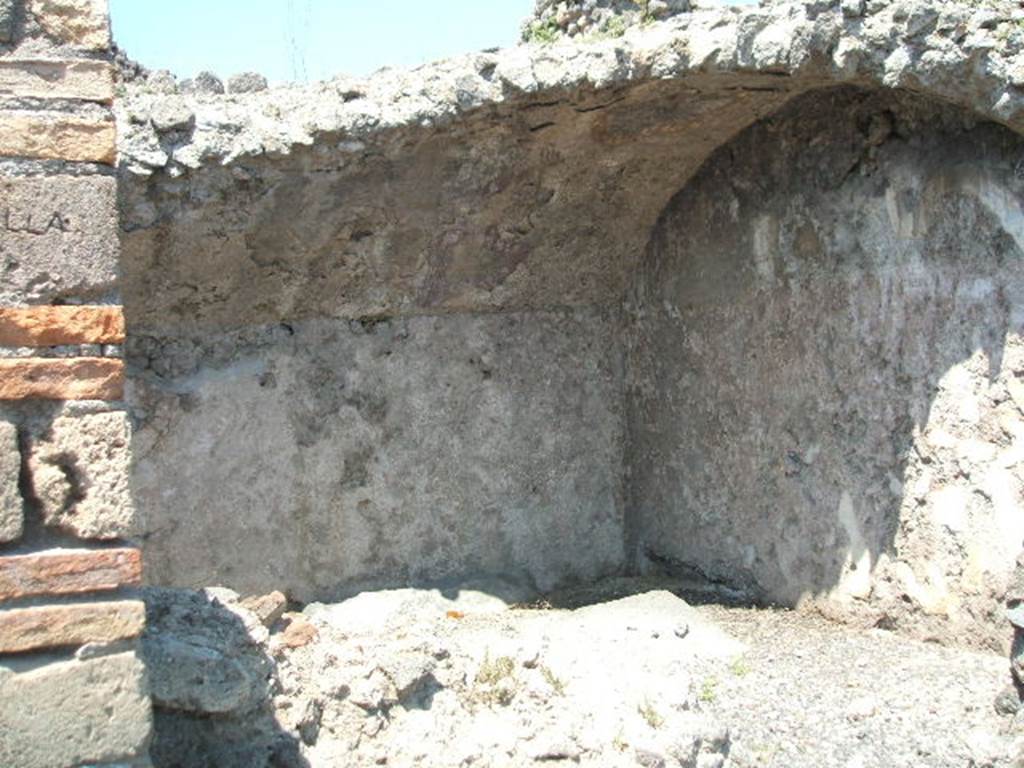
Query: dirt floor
x=624, y=674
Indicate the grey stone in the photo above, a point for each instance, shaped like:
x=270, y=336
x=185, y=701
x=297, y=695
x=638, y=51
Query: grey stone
x=172, y=115
x=79, y=474
x=162, y=81
x=759, y=450
x=1015, y=615
x=853, y=8
x=201, y=657
x=247, y=82
x=205, y=83
x=12, y=514
x=196, y=678
x=6, y=21
x=446, y=422
x=75, y=713
x=1007, y=701
x=58, y=239
x=814, y=426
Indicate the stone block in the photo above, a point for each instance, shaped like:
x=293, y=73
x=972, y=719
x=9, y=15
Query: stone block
x=82, y=712
x=58, y=238
x=80, y=475
x=83, y=378
x=12, y=516
x=69, y=572
x=78, y=23
x=268, y=608
x=64, y=626
x=52, y=326
x=57, y=79
x=58, y=137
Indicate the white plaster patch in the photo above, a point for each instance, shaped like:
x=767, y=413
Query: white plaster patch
x=856, y=578
x=1002, y=204
x=901, y=220
x=764, y=230
x=949, y=509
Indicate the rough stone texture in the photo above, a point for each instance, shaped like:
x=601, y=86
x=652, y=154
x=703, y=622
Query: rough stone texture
x=597, y=18
x=269, y=608
x=82, y=712
x=55, y=79
x=530, y=180
x=6, y=21
x=57, y=136
x=1015, y=613
x=334, y=452
x=203, y=655
x=558, y=165
x=826, y=362
x=62, y=572
x=12, y=508
x=53, y=326
x=620, y=673
x=61, y=379
x=78, y=23
x=247, y=82
x=58, y=239
x=389, y=678
x=79, y=474
x=60, y=626
x=205, y=83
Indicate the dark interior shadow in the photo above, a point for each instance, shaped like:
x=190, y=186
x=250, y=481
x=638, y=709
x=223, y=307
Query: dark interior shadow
x=837, y=280
x=212, y=688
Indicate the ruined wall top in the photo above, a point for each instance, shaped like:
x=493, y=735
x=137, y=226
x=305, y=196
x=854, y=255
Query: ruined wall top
x=969, y=54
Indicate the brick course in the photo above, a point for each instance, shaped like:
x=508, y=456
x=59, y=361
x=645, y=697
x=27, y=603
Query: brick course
x=83, y=378
x=51, y=326
x=62, y=626
x=66, y=573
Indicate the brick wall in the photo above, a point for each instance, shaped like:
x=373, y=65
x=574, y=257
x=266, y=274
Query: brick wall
x=72, y=688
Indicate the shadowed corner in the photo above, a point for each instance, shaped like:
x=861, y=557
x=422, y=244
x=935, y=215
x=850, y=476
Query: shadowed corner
x=833, y=326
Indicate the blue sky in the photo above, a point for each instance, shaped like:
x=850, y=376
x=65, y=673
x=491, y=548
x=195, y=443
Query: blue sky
x=308, y=39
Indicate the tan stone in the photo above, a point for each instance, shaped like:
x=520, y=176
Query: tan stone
x=63, y=626
x=82, y=378
x=12, y=512
x=67, y=573
x=51, y=326
x=80, y=476
x=58, y=239
x=57, y=79
x=80, y=23
x=297, y=633
x=268, y=608
x=58, y=137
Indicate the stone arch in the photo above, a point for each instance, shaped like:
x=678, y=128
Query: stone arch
x=288, y=256
x=825, y=345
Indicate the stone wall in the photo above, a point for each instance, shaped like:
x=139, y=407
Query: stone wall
x=359, y=302
x=825, y=367
x=73, y=686
x=321, y=456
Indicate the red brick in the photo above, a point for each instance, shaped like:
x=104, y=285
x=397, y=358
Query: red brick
x=80, y=378
x=64, y=626
x=69, y=573
x=51, y=326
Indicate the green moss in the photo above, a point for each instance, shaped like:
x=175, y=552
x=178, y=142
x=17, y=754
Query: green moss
x=543, y=32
